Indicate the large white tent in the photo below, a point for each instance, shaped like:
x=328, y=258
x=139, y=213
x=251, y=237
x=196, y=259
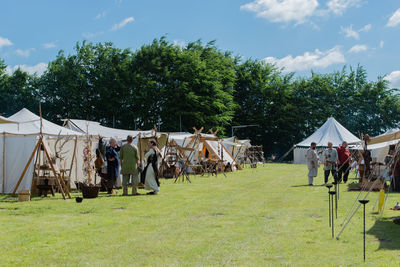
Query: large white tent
x=330, y=131
x=17, y=142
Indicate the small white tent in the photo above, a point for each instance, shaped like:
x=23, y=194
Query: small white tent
x=330, y=131
x=18, y=140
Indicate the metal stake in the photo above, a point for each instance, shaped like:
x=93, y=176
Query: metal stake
x=336, y=196
x=364, y=202
x=333, y=225
x=329, y=186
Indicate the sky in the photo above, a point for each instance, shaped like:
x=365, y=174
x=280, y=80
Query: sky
x=296, y=35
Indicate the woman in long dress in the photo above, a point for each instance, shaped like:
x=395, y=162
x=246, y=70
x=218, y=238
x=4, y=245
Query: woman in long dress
x=151, y=171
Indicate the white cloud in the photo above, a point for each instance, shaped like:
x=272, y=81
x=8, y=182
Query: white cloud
x=358, y=49
x=101, y=15
x=339, y=6
x=394, y=79
x=37, y=69
x=122, y=24
x=349, y=32
x=309, y=60
x=24, y=53
x=394, y=20
x=366, y=28
x=5, y=42
x=90, y=35
x=297, y=11
x=282, y=10
x=49, y=45
x=381, y=43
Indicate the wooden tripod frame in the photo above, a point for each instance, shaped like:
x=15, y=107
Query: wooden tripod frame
x=60, y=182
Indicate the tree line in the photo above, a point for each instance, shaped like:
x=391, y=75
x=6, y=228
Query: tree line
x=178, y=87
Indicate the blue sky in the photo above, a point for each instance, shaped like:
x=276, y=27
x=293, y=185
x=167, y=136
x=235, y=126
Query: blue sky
x=297, y=35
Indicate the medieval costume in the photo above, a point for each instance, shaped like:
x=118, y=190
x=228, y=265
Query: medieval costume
x=331, y=157
x=344, y=163
x=151, y=171
x=129, y=158
x=395, y=171
x=312, y=163
x=112, y=167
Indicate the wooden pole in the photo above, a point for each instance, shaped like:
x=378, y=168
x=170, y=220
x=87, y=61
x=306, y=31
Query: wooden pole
x=26, y=167
x=73, y=158
x=59, y=180
x=4, y=161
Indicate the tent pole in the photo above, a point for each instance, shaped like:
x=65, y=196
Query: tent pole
x=72, y=161
x=4, y=161
x=26, y=166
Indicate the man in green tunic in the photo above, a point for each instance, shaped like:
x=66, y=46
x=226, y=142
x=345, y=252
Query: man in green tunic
x=129, y=158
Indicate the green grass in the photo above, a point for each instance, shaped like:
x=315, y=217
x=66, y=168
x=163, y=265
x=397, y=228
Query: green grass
x=264, y=216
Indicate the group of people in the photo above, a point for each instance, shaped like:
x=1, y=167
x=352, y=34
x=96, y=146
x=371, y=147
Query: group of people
x=125, y=160
x=336, y=162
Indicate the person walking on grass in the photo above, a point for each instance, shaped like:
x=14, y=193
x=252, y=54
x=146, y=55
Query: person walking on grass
x=129, y=158
x=312, y=163
x=331, y=158
x=343, y=162
x=112, y=164
x=152, y=158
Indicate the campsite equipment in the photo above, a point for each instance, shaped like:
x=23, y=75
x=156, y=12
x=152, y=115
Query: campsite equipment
x=397, y=207
x=331, y=193
x=329, y=186
x=364, y=202
x=78, y=199
x=24, y=195
x=89, y=190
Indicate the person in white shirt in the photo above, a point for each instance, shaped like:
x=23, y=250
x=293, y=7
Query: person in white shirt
x=331, y=158
x=312, y=163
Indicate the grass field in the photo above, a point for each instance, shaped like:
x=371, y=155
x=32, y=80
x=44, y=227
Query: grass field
x=264, y=217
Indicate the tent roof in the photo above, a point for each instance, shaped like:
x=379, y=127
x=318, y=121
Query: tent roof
x=94, y=128
x=28, y=123
x=4, y=120
x=330, y=131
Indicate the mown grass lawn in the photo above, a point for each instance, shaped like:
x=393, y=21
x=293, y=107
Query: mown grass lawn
x=264, y=216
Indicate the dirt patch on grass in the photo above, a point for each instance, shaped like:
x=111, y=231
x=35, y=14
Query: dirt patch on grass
x=218, y=214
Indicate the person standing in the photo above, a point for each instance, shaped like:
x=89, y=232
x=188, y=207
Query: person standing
x=394, y=171
x=343, y=162
x=331, y=158
x=151, y=170
x=129, y=158
x=312, y=163
x=112, y=164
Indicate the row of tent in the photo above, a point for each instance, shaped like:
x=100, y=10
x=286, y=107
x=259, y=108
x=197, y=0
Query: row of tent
x=20, y=132
x=333, y=131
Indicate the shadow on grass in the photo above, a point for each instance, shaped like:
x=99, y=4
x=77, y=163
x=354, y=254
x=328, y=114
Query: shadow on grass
x=307, y=185
x=387, y=233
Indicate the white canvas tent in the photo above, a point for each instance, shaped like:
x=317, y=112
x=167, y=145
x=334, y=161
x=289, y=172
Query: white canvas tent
x=18, y=140
x=330, y=131
x=201, y=142
x=379, y=145
x=237, y=147
x=95, y=128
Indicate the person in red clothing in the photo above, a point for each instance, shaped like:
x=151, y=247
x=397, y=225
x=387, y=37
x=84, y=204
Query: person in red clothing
x=343, y=162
